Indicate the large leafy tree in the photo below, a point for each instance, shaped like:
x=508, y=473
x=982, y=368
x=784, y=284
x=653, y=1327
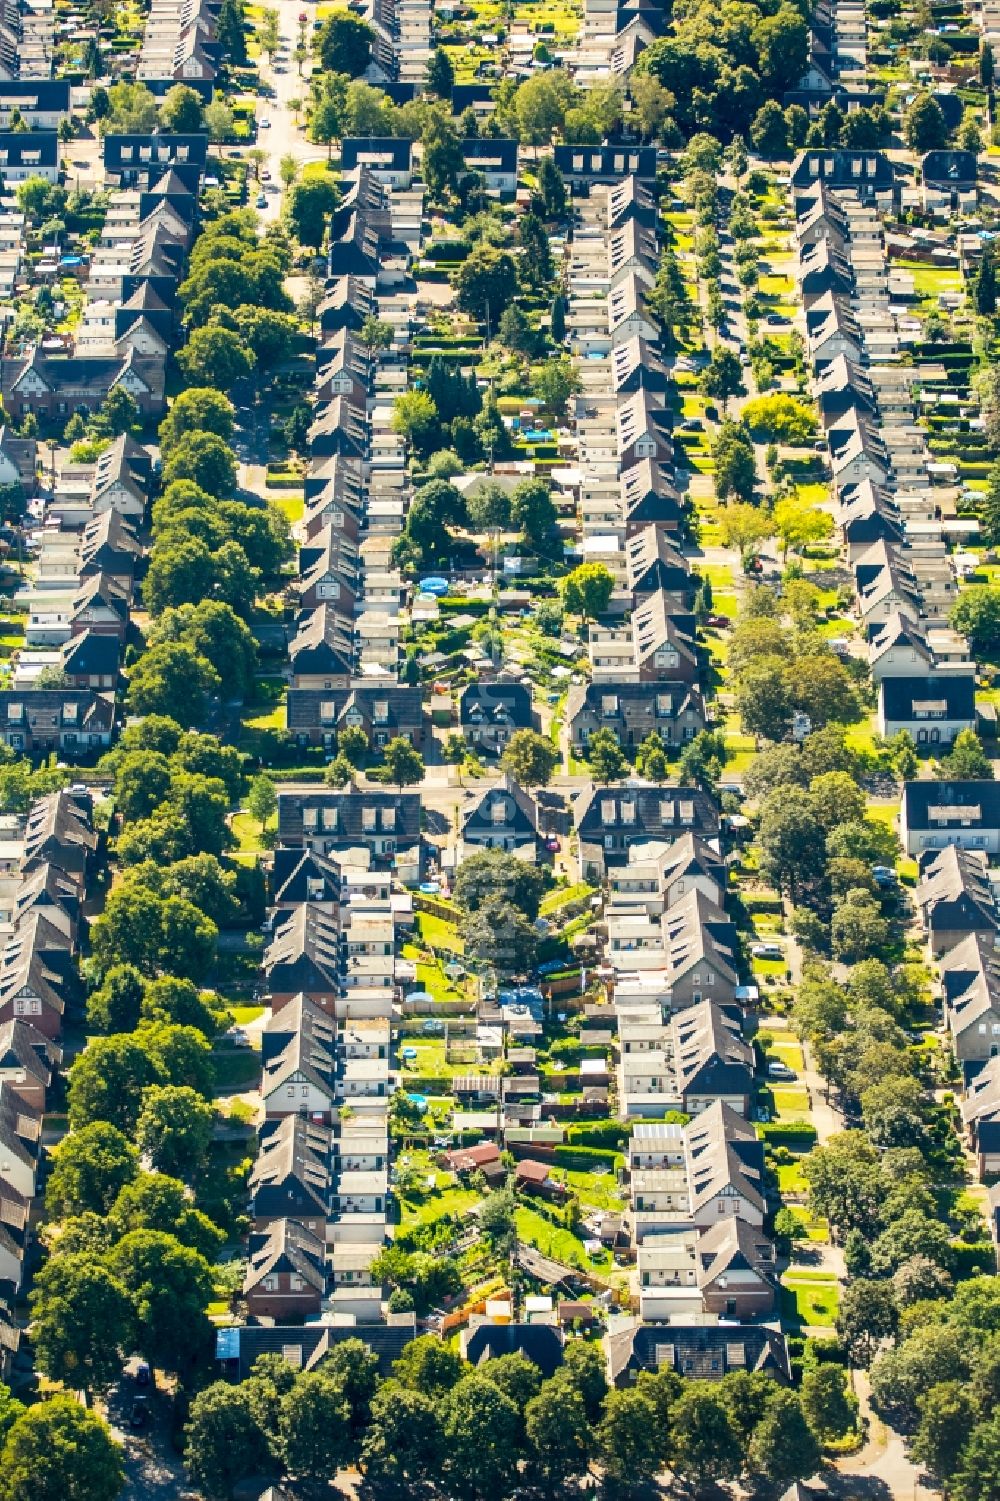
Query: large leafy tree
x=223, y=1440
x=90, y=1168
x=59, y=1451
x=170, y=1285
x=81, y=1322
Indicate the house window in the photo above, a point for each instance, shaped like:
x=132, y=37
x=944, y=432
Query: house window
x=368, y=819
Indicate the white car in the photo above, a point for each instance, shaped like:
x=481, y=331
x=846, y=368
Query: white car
x=767, y=951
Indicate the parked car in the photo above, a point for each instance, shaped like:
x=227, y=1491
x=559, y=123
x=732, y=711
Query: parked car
x=143, y=1374
x=767, y=951
x=139, y=1415
x=261, y=200
x=780, y=1071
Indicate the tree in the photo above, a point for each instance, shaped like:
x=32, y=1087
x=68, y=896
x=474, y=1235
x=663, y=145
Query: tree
x=499, y=935
x=172, y=679
x=540, y=108
x=629, y=1440
x=202, y=459
x=344, y=45
x=402, y=764
x=268, y=33
x=722, y=377
x=489, y=508
x=967, y=760
x=175, y=1129
x=59, y=1451
x=223, y=1440
x=429, y=1367
x=403, y=1444
x=607, y=760
x=986, y=284
x=214, y=630
x=486, y=282
x=309, y=205
x=783, y=1447
x=480, y=1425
x=262, y=800
x=182, y=110
x=313, y=1424
x=986, y=66
x=530, y=758
x=924, y=124
x=735, y=463
x=551, y=188
x=152, y=1201
x=440, y=74
x=976, y=615
x=201, y=409
x=106, y=1082
x=866, y=1318
x=799, y=526
x=170, y=1285
x=705, y=1445
x=156, y=934
x=214, y=356
x=532, y=510
x=269, y=335
x=830, y=1409
x=114, y=1005
x=587, y=590
x=375, y=334
x=744, y=527
x=769, y=131
x=792, y=845
x=557, y=320
x=415, y=417
x=554, y=383
x=978, y=1475
x=558, y=1432
x=133, y=109
x=230, y=31
x=81, y=1322
x=492, y=874
x=90, y=1168
x=858, y=930
x=651, y=102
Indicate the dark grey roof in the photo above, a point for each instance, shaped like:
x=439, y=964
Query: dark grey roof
x=696, y=1351
x=542, y=1344
x=923, y=700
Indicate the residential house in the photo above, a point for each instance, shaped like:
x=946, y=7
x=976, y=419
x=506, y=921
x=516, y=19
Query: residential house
x=587, y=167
x=504, y=817
x=980, y=1110
x=286, y=1272
x=867, y=174
x=610, y=819
x=322, y=650
x=384, y=823
x=696, y=1351
x=299, y=1060
x=932, y=708
x=304, y=1347
x=387, y=158
x=490, y=713
x=955, y=897
x=73, y=722
x=949, y=183
x=27, y=1062
x=384, y=712
x=634, y=710
x=29, y=153
x=712, y=1060
x=727, y=1270
x=291, y=1178
x=495, y=160
x=970, y=983
x=303, y=958
x=935, y=814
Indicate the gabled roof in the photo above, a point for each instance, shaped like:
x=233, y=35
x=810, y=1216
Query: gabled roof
x=695, y=1351
x=286, y=1247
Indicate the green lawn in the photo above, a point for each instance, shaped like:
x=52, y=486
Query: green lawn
x=790, y=1102
x=246, y=832
x=566, y=895
x=428, y=1205
x=243, y=1014
x=809, y=1299
x=790, y=1178
x=553, y=1240
x=438, y=934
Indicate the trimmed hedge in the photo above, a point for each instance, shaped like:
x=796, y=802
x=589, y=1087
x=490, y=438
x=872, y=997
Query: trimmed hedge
x=585, y=1159
x=782, y=1131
